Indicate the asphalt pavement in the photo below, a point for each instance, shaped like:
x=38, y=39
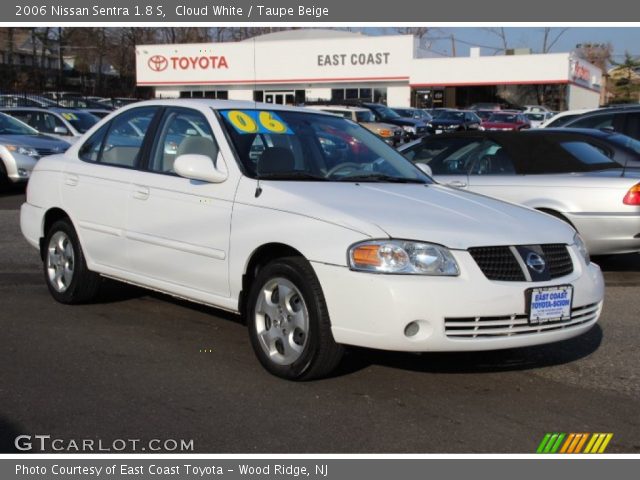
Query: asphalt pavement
x=140, y=365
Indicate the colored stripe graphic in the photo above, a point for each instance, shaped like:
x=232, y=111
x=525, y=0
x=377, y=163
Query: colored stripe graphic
x=574, y=443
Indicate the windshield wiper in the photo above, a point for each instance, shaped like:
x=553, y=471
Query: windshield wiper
x=380, y=178
x=295, y=175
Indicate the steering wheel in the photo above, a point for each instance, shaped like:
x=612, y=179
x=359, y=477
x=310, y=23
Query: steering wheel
x=343, y=166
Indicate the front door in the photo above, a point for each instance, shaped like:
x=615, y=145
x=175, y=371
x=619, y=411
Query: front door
x=178, y=229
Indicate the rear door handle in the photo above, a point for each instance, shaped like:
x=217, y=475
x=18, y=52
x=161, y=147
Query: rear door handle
x=71, y=180
x=140, y=192
x=457, y=184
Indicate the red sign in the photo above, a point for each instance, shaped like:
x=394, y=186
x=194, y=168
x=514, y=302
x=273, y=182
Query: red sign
x=158, y=63
x=581, y=73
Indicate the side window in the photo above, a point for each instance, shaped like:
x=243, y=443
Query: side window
x=445, y=157
x=90, y=151
x=632, y=125
x=492, y=159
x=594, y=121
x=123, y=141
x=183, y=131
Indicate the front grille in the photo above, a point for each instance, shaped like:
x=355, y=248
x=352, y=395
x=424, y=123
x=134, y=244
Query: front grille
x=465, y=328
x=501, y=263
x=558, y=259
x=421, y=129
x=498, y=263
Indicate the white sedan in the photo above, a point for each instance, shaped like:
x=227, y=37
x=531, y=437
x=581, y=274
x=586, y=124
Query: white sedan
x=323, y=237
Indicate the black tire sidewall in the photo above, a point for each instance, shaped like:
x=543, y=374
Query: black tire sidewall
x=291, y=272
x=79, y=263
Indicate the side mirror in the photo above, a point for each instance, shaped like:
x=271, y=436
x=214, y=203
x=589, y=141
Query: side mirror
x=198, y=167
x=60, y=131
x=425, y=168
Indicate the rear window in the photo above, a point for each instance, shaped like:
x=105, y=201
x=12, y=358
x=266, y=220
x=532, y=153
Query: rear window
x=589, y=155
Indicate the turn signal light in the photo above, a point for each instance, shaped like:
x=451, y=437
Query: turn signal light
x=633, y=196
x=386, y=133
x=367, y=255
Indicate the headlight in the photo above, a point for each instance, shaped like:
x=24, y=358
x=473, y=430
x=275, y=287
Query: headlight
x=399, y=256
x=22, y=150
x=409, y=129
x=582, y=248
x=430, y=125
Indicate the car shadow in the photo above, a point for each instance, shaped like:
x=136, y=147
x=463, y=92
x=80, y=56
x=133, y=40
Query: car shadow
x=113, y=291
x=629, y=262
x=514, y=359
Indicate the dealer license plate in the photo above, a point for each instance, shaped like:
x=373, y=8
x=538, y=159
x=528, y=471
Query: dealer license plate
x=549, y=304
x=438, y=131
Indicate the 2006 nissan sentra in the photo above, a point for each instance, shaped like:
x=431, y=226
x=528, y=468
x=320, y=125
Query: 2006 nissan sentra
x=316, y=243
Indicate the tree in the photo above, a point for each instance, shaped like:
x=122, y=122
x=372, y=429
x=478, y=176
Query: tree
x=629, y=68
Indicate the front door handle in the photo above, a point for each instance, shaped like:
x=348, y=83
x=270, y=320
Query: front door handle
x=71, y=179
x=140, y=192
x=457, y=184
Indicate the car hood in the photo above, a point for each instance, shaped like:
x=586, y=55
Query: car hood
x=35, y=141
x=402, y=121
x=500, y=125
x=379, y=126
x=444, y=123
x=432, y=213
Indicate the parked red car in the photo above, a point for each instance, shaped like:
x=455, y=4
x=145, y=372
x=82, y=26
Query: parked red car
x=506, y=120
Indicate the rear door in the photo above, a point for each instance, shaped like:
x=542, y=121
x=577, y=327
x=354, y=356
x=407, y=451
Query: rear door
x=96, y=189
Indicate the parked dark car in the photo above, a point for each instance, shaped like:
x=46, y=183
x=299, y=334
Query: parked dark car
x=413, y=128
x=454, y=120
x=621, y=119
x=417, y=113
x=506, y=120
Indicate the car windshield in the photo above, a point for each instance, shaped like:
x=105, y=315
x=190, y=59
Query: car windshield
x=81, y=121
x=450, y=115
x=405, y=112
x=536, y=117
x=11, y=126
x=503, y=118
x=292, y=145
x=365, y=116
x=484, y=114
x=385, y=111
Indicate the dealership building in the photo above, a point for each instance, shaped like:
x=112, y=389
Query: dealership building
x=317, y=66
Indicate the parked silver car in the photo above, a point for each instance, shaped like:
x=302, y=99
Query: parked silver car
x=21, y=147
x=567, y=177
x=64, y=123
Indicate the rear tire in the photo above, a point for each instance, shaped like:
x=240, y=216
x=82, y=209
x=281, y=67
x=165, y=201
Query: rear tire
x=65, y=268
x=288, y=321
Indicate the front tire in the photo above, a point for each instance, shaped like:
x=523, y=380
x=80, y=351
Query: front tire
x=65, y=269
x=288, y=321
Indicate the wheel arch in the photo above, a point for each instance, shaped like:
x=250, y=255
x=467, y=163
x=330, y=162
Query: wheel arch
x=258, y=259
x=556, y=214
x=50, y=217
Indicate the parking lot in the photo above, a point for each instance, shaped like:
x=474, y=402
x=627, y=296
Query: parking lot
x=145, y=366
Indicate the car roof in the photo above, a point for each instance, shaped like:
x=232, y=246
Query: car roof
x=344, y=108
x=220, y=105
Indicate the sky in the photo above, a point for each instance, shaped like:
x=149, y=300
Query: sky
x=622, y=38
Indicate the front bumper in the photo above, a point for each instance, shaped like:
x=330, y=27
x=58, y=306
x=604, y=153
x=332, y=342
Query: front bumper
x=18, y=167
x=373, y=310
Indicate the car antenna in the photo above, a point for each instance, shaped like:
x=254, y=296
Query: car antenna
x=255, y=108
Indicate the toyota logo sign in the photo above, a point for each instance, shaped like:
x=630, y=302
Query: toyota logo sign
x=158, y=63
